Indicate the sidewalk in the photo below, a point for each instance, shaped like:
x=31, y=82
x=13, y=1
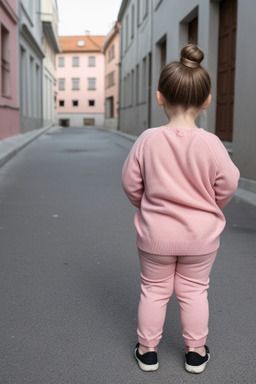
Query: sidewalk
x=10, y=147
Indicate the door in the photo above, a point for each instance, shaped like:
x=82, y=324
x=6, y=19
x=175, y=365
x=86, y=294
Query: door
x=89, y=122
x=226, y=69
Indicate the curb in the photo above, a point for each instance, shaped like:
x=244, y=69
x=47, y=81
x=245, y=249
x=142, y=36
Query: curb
x=12, y=145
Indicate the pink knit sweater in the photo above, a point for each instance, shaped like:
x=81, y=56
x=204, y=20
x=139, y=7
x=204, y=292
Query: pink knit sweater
x=180, y=179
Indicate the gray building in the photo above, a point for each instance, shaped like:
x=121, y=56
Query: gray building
x=152, y=34
x=31, y=65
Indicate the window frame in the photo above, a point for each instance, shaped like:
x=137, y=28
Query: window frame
x=61, y=80
x=74, y=80
x=94, y=61
x=5, y=62
x=74, y=64
x=59, y=58
x=91, y=79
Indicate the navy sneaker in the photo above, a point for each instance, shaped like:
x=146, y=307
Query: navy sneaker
x=147, y=362
x=196, y=363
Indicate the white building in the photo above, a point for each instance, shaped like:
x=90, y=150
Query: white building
x=31, y=64
x=49, y=17
x=152, y=34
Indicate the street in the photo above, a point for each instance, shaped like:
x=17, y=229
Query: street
x=70, y=281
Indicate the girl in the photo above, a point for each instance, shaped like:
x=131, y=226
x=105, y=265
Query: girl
x=179, y=177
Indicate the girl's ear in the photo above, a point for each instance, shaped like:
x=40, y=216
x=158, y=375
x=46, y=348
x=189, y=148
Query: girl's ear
x=207, y=102
x=159, y=98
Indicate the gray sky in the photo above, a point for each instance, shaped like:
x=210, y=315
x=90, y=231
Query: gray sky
x=96, y=16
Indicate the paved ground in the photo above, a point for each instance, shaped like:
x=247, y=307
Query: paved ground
x=69, y=274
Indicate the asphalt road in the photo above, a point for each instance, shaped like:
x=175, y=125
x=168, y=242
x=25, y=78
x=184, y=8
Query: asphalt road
x=69, y=275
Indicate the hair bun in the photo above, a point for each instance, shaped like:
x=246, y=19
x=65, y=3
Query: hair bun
x=191, y=56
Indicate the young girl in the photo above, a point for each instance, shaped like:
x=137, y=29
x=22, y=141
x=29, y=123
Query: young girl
x=179, y=177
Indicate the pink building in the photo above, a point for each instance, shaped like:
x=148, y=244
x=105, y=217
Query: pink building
x=111, y=51
x=9, y=101
x=80, y=77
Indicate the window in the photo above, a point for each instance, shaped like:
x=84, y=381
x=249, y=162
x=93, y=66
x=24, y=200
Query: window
x=128, y=90
x=144, y=79
x=91, y=83
x=61, y=84
x=23, y=82
x=38, y=89
x=137, y=83
x=132, y=87
x=61, y=103
x=92, y=61
x=132, y=22
x=111, y=53
x=75, y=103
x=32, y=87
x=138, y=12
x=145, y=10
x=163, y=53
x=91, y=103
x=61, y=61
x=5, y=63
x=75, y=61
x=127, y=32
x=75, y=84
x=110, y=79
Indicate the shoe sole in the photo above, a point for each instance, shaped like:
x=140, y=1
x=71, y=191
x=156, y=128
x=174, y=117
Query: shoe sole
x=196, y=368
x=146, y=367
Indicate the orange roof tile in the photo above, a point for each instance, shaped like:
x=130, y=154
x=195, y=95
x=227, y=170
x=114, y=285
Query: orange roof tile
x=91, y=43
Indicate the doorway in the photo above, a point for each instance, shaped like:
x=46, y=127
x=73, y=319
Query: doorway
x=226, y=69
x=89, y=122
x=64, y=122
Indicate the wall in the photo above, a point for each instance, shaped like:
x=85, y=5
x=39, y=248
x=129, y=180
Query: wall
x=112, y=66
x=170, y=21
x=31, y=67
x=50, y=47
x=9, y=103
x=135, y=47
x=245, y=81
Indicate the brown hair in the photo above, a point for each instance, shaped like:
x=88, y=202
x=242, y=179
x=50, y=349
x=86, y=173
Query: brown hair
x=185, y=82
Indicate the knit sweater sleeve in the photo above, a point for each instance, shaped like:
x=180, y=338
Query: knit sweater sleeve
x=132, y=180
x=227, y=175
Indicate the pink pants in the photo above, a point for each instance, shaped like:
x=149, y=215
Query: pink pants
x=188, y=277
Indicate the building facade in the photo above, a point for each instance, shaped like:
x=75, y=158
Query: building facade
x=9, y=83
x=31, y=65
x=110, y=49
x=49, y=17
x=152, y=34
x=80, y=87
x=135, y=18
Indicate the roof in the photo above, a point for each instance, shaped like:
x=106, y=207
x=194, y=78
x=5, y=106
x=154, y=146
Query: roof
x=122, y=9
x=85, y=43
x=115, y=29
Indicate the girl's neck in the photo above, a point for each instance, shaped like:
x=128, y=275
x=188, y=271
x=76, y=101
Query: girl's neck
x=183, y=119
